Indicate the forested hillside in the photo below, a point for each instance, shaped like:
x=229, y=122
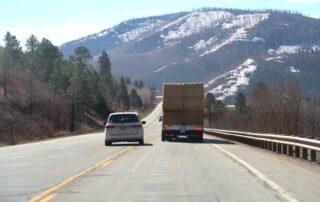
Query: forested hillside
x=45, y=95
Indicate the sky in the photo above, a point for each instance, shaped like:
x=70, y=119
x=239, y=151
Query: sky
x=64, y=20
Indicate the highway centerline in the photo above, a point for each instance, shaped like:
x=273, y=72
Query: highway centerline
x=48, y=194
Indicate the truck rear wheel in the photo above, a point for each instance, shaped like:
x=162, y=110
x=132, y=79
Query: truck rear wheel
x=163, y=137
x=200, y=138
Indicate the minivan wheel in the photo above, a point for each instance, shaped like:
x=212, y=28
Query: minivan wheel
x=141, y=142
x=107, y=143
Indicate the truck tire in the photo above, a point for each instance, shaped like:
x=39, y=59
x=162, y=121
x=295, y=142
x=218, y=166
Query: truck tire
x=200, y=138
x=163, y=137
x=141, y=142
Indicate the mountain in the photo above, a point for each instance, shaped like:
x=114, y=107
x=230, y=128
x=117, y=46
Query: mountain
x=229, y=50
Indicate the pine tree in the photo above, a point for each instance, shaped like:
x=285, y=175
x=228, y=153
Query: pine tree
x=47, y=54
x=135, y=99
x=79, y=89
x=81, y=54
x=11, y=55
x=241, y=103
x=209, y=104
x=31, y=45
x=105, y=67
x=124, y=94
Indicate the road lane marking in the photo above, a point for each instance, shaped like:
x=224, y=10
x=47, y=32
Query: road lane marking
x=260, y=175
x=49, y=192
x=108, y=162
x=49, y=198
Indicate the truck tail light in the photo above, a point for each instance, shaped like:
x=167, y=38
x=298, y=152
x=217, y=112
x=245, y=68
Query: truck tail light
x=197, y=128
x=167, y=127
x=110, y=127
x=136, y=126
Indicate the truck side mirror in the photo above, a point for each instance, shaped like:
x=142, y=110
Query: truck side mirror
x=160, y=118
x=104, y=123
x=143, y=122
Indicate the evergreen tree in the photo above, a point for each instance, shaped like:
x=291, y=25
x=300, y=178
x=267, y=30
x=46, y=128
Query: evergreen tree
x=209, y=104
x=141, y=85
x=47, y=54
x=80, y=85
x=60, y=77
x=241, y=103
x=31, y=45
x=128, y=80
x=136, y=83
x=105, y=67
x=81, y=54
x=135, y=99
x=124, y=94
x=101, y=106
x=11, y=53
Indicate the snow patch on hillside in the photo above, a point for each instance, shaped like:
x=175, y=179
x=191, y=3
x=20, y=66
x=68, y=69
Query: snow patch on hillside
x=258, y=39
x=294, y=70
x=161, y=68
x=203, y=45
x=140, y=30
x=194, y=23
x=232, y=80
x=246, y=20
x=242, y=23
x=315, y=48
x=288, y=49
x=275, y=59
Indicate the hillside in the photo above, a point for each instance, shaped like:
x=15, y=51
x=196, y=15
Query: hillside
x=228, y=49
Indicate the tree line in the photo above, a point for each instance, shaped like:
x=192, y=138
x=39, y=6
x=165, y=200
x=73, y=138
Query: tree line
x=280, y=109
x=45, y=92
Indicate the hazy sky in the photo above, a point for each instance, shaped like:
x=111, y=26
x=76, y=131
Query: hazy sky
x=64, y=20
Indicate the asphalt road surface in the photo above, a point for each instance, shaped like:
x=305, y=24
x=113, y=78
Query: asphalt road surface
x=81, y=168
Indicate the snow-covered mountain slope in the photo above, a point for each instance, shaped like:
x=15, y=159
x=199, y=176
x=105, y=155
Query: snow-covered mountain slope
x=229, y=50
x=231, y=81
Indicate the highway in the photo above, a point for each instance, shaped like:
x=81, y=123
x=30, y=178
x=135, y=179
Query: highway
x=81, y=168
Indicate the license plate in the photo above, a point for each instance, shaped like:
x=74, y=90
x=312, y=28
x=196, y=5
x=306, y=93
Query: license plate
x=182, y=130
x=123, y=128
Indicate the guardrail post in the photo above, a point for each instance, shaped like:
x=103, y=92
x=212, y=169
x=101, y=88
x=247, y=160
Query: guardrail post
x=257, y=143
x=313, y=155
x=284, y=149
x=274, y=146
x=297, y=151
x=279, y=148
x=305, y=153
x=290, y=150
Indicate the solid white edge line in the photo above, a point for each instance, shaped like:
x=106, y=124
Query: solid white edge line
x=260, y=175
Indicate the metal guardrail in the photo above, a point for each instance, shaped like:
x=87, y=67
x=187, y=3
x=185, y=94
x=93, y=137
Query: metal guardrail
x=304, y=148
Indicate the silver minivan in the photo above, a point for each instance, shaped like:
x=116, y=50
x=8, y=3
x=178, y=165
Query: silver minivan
x=124, y=127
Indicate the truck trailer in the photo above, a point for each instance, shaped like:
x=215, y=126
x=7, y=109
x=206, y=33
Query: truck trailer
x=183, y=111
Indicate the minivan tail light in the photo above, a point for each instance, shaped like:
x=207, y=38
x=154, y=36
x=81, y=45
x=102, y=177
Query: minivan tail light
x=137, y=126
x=110, y=127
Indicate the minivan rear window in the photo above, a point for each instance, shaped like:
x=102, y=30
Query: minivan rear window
x=123, y=118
